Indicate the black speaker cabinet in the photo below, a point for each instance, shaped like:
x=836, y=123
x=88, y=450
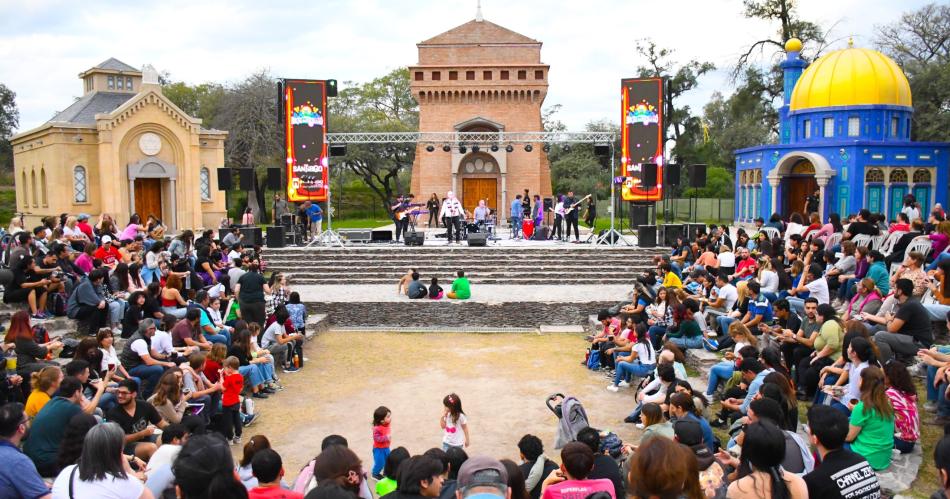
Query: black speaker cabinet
x=693, y=229
x=276, y=236
x=548, y=204
x=382, y=236
x=224, y=179
x=247, y=179
x=669, y=233
x=273, y=179
x=415, y=239
x=253, y=236
x=672, y=173
x=646, y=235
x=478, y=239
x=639, y=214
x=223, y=232
x=697, y=175
x=541, y=233
x=648, y=175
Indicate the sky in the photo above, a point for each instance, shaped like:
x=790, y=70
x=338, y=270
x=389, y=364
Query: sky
x=590, y=45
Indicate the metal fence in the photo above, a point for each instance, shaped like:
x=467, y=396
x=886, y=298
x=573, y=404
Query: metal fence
x=698, y=209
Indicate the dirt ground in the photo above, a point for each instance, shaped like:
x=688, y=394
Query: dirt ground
x=502, y=380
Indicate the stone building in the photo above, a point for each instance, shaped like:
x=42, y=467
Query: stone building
x=480, y=77
x=121, y=148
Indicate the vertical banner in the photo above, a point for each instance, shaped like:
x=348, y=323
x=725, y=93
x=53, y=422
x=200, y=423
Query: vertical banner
x=305, y=106
x=642, y=126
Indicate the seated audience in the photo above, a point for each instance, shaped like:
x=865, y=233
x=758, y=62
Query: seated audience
x=664, y=468
x=572, y=479
x=604, y=465
x=871, y=427
x=535, y=465
x=18, y=475
x=461, y=288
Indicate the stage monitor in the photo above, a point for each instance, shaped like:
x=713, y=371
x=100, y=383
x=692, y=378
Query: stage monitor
x=305, y=106
x=642, y=127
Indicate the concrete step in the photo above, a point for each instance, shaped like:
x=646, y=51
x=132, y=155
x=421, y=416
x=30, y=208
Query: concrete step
x=554, y=281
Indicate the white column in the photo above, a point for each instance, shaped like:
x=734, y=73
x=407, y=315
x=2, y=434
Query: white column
x=174, y=206
x=503, y=209
x=773, y=183
x=131, y=196
x=822, y=183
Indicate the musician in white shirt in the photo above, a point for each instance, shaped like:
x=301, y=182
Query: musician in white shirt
x=452, y=212
x=481, y=212
x=558, y=218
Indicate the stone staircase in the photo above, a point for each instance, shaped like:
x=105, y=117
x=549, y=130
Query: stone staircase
x=548, y=265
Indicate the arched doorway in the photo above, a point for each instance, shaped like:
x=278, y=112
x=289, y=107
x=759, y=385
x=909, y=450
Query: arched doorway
x=797, y=186
x=479, y=180
x=796, y=175
x=152, y=182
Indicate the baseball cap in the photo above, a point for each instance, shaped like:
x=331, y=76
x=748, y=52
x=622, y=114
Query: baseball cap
x=688, y=432
x=106, y=239
x=482, y=471
x=82, y=216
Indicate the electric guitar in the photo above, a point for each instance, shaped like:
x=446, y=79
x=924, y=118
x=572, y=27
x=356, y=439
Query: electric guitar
x=575, y=205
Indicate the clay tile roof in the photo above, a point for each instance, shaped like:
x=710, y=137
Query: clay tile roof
x=115, y=65
x=475, y=32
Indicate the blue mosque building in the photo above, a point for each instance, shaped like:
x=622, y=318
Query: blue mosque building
x=845, y=128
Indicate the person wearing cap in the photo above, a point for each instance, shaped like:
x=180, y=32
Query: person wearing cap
x=712, y=477
x=108, y=254
x=83, y=225
x=571, y=480
x=482, y=477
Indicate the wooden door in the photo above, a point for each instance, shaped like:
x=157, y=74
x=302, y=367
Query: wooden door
x=474, y=189
x=148, y=197
x=796, y=190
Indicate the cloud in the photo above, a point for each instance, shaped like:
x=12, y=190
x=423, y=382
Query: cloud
x=589, y=45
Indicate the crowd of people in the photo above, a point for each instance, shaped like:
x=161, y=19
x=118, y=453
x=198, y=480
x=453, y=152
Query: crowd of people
x=411, y=286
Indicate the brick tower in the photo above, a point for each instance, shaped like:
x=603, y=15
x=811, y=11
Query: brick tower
x=480, y=77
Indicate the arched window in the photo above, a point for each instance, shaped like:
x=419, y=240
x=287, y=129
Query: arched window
x=33, y=188
x=43, y=197
x=874, y=175
x=479, y=163
x=922, y=176
x=80, y=185
x=204, y=184
x=898, y=176
x=803, y=167
x=26, y=191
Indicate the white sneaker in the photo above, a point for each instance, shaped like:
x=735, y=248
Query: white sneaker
x=623, y=384
x=613, y=388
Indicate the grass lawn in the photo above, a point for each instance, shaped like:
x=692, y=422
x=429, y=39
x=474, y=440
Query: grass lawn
x=360, y=223
x=7, y=205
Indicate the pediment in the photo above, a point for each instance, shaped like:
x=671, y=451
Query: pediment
x=109, y=121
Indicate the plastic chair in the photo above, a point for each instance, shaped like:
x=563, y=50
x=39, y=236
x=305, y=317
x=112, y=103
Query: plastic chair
x=862, y=240
x=833, y=240
x=771, y=231
x=920, y=244
x=888, y=245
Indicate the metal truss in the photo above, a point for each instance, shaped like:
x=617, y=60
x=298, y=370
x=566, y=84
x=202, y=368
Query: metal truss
x=472, y=138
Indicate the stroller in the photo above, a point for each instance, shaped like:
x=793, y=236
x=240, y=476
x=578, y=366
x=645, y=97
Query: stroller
x=571, y=416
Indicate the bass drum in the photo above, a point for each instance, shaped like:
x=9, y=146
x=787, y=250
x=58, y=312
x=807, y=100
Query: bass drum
x=527, y=228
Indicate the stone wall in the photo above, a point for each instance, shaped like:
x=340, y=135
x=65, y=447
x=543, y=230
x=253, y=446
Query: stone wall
x=443, y=313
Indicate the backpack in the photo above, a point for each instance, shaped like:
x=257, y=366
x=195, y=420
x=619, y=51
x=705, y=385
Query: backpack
x=304, y=481
x=40, y=335
x=56, y=304
x=593, y=360
x=611, y=443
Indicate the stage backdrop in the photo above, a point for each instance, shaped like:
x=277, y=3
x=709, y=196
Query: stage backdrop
x=642, y=136
x=305, y=104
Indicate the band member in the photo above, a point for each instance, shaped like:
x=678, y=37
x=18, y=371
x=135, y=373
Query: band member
x=558, y=218
x=591, y=214
x=279, y=208
x=570, y=216
x=526, y=205
x=302, y=217
x=452, y=212
x=400, y=214
x=315, y=213
x=433, y=207
x=517, y=216
x=481, y=213
x=538, y=213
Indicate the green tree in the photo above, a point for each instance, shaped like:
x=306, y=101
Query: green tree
x=384, y=104
x=9, y=120
x=920, y=43
x=200, y=101
x=719, y=184
x=741, y=120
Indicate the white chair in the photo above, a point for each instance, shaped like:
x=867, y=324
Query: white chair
x=888, y=245
x=771, y=231
x=877, y=240
x=862, y=240
x=920, y=244
x=833, y=240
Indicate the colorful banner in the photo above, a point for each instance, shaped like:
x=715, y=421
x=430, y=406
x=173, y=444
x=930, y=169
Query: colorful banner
x=642, y=126
x=305, y=106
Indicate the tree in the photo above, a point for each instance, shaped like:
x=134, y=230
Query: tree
x=719, y=184
x=920, y=43
x=9, y=120
x=384, y=104
x=199, y=101
x=741, y=120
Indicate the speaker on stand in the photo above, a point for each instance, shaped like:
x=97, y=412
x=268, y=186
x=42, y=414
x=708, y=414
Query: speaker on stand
x=697, y=179
x=276, y=236
x=646, y=236
x=273, y=179
x=225, y=183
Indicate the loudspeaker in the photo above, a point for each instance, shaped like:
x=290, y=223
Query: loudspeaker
x=478, y=239
x=541, y=233
x=548, y=204
x=672, y=173
x=669, y=233
x=223, y=231
x=646, y=236
x=415, y=239
x=648, y=175
x=697, y=175
x=601, y=149
x=224, y=179
x=693, y=229
x=253, y=236
x=276, y=236
x=639, y=214
x=337, y=150
x=274, y=180
x=247, y=179
x=382, y=236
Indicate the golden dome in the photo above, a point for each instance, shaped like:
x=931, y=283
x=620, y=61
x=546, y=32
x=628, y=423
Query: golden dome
x=851, y=77
x=793, y=45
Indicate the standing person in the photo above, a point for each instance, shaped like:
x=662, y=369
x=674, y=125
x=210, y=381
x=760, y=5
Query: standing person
x=452, y=213
x=432, y=205
x=558, y=218
x=517, y=217
x=840, y=471
x=382, y=439
x=538, y=213
x=250, y=291
x=399, y=215
x=570, y=216
x=247, y=219
x=526, y=205
x=454, y=424
x=231, y=400
x=461, y=288
x=811, y=202
x=278, y=208
x=18, y=475
x=591, y=214
x=315, y=214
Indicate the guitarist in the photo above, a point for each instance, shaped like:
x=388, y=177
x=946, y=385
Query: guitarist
x=570, y=216
x=400, y=209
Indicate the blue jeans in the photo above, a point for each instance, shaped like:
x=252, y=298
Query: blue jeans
x=251, y=374
x=149, y=376
x=943, y=405
x=938, y=312
x=656, y=336
x=267, y=371
x=685, y=343
x=796, y=305
x=107, y=401
x=719, y=372
x=820, y=396
x=932, y=394
x=936, y=263
x=516, y=227
x=627, y=370
x=723, y=321
x=223, y=337
x=379, y=459
x=772, y=297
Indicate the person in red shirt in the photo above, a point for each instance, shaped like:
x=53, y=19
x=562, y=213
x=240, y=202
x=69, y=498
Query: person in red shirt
x=269, y=469
x=231, y=400
x=108, y=253
x=84, y=226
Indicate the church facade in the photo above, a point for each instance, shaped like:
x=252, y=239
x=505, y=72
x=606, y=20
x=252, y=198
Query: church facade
x=121, y=148
x=845, y=128
x=480, y=77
